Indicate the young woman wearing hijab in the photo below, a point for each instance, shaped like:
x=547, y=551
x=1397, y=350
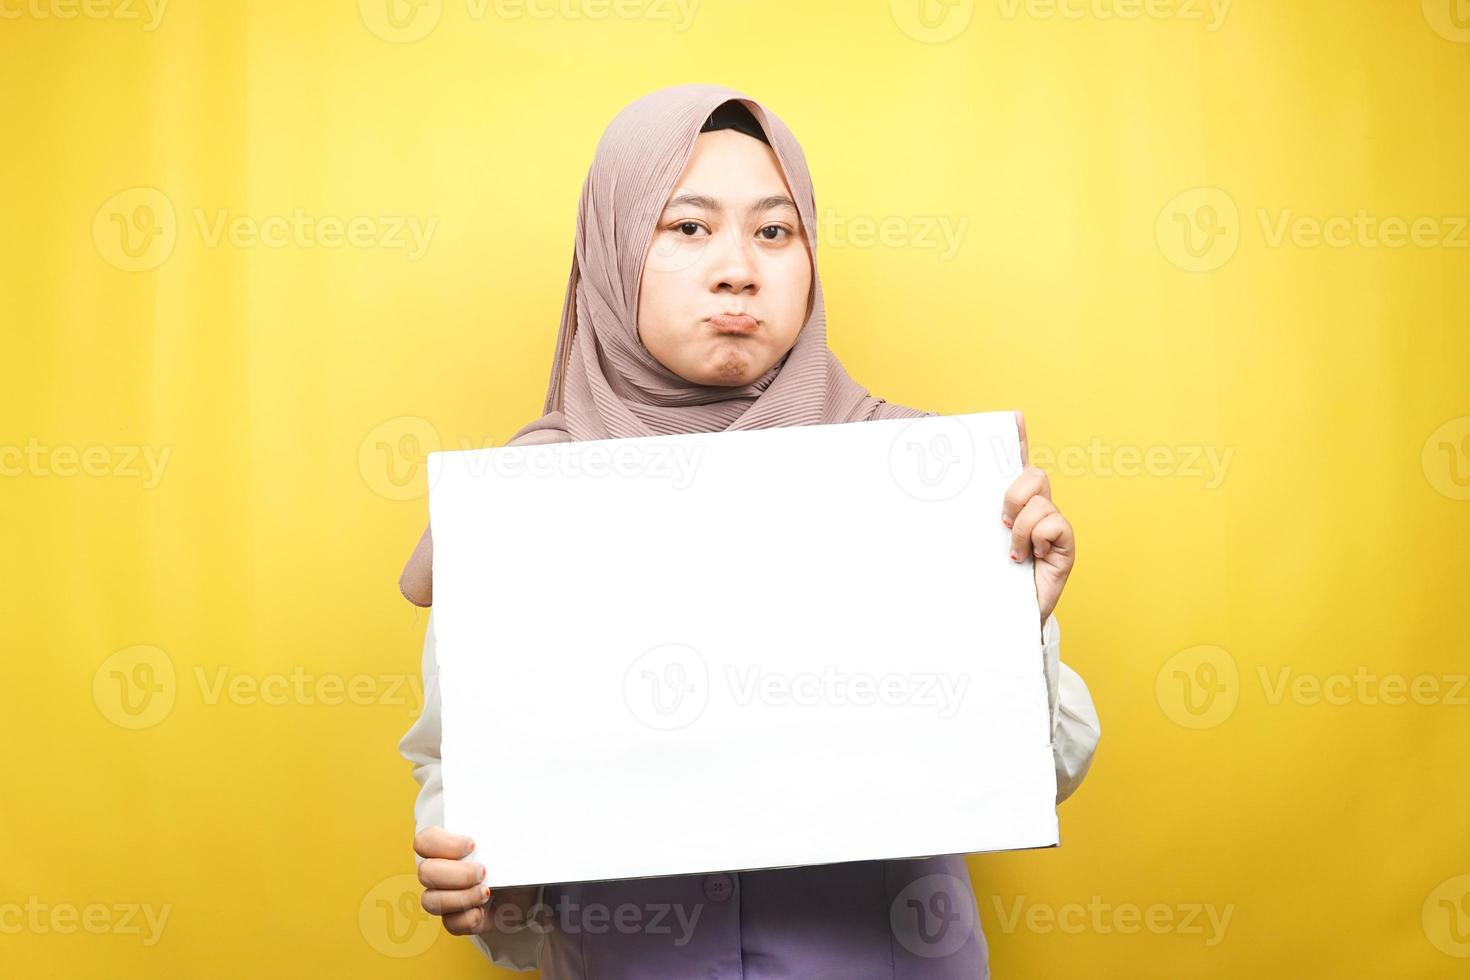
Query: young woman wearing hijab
x=694, y=305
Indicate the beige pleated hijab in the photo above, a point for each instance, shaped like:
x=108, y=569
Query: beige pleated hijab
x=604, y=382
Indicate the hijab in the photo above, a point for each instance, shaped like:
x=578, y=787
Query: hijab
x=604, y=383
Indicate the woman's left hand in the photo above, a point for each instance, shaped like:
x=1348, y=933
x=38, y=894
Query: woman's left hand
x=1039, y=529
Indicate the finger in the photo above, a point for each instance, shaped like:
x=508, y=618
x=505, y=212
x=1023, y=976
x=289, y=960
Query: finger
x=439, y=902
x=1036, y=508
x=442, y=873
x=472, y=922
x=1052, y=533
x=1021, y=431
x=1032, y=481
x=436, y=842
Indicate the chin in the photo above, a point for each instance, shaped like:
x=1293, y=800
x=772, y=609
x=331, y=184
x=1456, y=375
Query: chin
x=730, y=367
x=715, y=380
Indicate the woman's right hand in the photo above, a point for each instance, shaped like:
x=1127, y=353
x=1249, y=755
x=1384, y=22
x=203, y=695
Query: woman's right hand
x=454, y=890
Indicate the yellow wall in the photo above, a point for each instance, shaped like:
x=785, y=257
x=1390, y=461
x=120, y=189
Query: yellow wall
x=1262, y=439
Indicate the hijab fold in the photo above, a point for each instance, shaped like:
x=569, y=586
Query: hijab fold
x=604, y=383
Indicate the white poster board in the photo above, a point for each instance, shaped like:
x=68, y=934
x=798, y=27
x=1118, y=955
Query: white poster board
x=738, y=650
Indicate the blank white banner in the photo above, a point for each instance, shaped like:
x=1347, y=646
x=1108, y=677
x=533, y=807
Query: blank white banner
x=737, y=650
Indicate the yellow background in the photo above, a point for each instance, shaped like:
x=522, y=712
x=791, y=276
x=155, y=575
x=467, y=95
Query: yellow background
x=1333, y=543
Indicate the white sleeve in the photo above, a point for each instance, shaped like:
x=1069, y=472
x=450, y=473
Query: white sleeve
x=1074, y=725
x=519, y=950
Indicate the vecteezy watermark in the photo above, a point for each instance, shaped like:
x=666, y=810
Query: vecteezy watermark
x=1450, y=19
x=1363, y=686
x=392, y=919
x=142, y=919
x=1198, y=687
x=137, y=687
x=932, y=21
x=1210, y=13
x=669, y=686
x=1201, y=686
x=937, y=465
x=406, y=21
x=147, y=13
x=122, y=462
x=1362, y=229
x=1208, y=464
x=1446, y=916
x=298, y=686
x=940, y=233
x=940, y=463
x=677, y=464
x=835, y=686
x=137, y=229
x=401, y=21
x=1446, y=458
x=934, y=916
x=1200, y=229
x=1204, y=919
x=392, y=456
x=937, y=21
x=408, y=233
x=673, y=919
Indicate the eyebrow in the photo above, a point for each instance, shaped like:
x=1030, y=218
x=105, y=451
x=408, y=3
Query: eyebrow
x=707, y=203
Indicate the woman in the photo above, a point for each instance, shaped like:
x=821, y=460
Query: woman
x=694, y=305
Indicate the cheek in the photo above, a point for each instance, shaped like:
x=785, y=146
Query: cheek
x=663, y=289
x=658, y=308
x=793, y=279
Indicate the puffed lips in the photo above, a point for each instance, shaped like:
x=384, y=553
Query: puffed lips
x=742, y=324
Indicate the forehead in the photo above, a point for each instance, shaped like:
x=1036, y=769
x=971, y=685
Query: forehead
x=733, y=168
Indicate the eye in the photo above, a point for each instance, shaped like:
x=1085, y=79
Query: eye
x=688, y=228
x=777, y=229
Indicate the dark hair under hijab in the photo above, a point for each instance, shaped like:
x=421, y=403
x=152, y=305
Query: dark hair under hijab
x=733, y=115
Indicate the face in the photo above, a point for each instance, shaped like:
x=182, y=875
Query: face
x=728, y=274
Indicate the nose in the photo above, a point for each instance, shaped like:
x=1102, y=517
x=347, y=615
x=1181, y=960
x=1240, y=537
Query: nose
x=732, y=266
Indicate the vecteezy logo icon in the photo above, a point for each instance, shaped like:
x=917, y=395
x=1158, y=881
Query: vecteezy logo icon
x=932, y=21
x=934, y=916
x=394, y=453
x=135, y=687
x=1450, y=19
x=1198, y=687
x=401, y=21
x=674, y=251
x=136, y=229
x=1446, y=917
x=1446, y=458
x=935, y=464
x=392, y=919
x=1199, y=230
x=667, y=687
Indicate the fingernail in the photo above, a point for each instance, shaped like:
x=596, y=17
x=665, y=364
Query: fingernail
x=487, y=891
x=470, y=847
x=1005, y=520
x=1015, y=557
x=481, y=875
